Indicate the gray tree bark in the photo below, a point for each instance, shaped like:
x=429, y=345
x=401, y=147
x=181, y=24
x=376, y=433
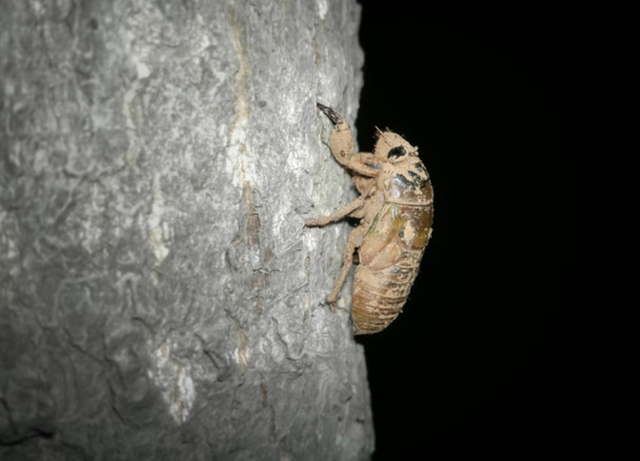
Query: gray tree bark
x=160, y=298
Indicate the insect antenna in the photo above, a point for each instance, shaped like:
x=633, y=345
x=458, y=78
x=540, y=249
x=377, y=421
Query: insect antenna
x=380, y=133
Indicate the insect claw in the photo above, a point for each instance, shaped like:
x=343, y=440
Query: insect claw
x=335, y=117
x=332, y=300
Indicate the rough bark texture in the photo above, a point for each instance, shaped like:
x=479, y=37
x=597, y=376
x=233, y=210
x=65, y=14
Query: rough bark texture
x=160, y=298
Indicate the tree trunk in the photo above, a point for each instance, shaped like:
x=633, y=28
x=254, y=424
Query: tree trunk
x=160, y=297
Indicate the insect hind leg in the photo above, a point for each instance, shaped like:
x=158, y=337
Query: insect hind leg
x=354, y=241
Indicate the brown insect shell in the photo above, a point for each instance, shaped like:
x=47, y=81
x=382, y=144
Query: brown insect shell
x=400, y=219
x=391, y=250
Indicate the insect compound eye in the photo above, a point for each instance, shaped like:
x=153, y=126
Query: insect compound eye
x=397, y=152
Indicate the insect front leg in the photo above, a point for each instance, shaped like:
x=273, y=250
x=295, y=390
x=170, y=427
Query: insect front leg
x=341, y=146
x=340, y=139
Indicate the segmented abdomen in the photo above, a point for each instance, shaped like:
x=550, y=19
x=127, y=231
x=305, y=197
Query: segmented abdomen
x=378, y=296
x=389, y=263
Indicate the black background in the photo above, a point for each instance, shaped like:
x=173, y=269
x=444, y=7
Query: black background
x=484, y=358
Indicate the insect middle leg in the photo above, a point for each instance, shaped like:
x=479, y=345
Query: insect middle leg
x=354, y=241
x=348, y=210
